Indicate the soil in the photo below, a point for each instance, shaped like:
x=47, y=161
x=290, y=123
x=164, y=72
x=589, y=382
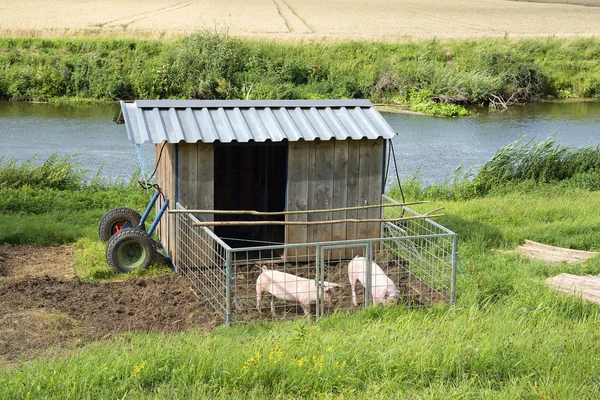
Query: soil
x=303, y=20
x=45, y=309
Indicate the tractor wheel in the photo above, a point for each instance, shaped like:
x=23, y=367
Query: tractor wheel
x=113, y=222
x=130, y=249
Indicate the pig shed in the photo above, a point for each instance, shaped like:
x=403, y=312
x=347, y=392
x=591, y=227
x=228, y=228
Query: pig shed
x=294, y=158
x=267, y=155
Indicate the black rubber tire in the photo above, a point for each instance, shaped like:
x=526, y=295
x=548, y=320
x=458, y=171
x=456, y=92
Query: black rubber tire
x=130, y=249
x=116, y=216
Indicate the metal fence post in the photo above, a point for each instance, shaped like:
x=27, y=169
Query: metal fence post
x=319, y=256
x=228, y=287
x=369, y=275
x=454, y=267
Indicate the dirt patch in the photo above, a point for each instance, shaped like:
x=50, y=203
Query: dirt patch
x=32, y=261
x=42, y=313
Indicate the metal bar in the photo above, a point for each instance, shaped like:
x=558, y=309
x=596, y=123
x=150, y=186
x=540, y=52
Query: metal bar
x=338, y=221
x=158, y=216
x=341, y=242
x=208, y=231
x=386, y=197
x=228, y=289
x=454, y=265
x=149, y=208
x=369, y=275
x=268, y=213
x=320, y=253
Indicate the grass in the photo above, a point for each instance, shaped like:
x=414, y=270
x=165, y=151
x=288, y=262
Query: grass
x=90, y=264
x=437, y=77
x=509, y=336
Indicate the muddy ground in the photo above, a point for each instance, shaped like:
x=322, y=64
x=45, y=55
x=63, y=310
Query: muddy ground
x=45, y=309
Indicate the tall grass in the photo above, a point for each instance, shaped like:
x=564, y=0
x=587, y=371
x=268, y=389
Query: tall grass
x=544, y=161
x=517, y=167
x=206, y=66
x=54, y=203
x=56, y=172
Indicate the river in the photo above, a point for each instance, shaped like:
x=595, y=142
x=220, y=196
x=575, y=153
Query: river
x=433, y=146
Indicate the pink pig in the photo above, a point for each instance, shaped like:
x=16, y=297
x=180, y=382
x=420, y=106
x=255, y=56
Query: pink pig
x=382, y=287
x=288, y=287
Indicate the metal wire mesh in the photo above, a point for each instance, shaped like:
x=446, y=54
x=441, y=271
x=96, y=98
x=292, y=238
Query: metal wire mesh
x=412, y=264
x=200, y=256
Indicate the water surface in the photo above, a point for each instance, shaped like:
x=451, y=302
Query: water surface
x=434, y=146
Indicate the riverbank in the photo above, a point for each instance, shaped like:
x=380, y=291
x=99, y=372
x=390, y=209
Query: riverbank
x=435, y=77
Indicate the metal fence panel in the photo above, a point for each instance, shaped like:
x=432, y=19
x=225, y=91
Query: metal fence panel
x=201, y=257
x=413, y=264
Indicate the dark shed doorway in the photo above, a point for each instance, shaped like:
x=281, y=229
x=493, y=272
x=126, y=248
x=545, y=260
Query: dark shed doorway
x=250, y=176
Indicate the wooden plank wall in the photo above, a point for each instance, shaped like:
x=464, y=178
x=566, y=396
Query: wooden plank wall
x=334, y=174
x=165, y=178
x=196, y=191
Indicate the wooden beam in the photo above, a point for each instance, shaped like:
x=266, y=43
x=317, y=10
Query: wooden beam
x=339, y=221
x=252, y=212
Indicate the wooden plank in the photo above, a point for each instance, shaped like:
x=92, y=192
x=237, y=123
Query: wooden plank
x=184, y=178
x=310, y=178
x=297, y=196
x=169, y=155
x=158, y=176
x=206, y=189
x=325, y=152
x=585, y=287
x=363, y=184
x=375, y=182
x=161, y=182
x=340, y=193
x=352, y=191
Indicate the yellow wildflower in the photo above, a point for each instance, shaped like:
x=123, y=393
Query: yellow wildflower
x=276, y=354
x=302, y=361
x=137, y=369
x=318, y=362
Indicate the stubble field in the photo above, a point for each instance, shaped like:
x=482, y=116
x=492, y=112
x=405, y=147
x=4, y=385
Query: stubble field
x=382, y=20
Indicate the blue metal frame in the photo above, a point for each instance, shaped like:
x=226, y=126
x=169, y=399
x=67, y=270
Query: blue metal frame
x=148, y=209
x=158, y=217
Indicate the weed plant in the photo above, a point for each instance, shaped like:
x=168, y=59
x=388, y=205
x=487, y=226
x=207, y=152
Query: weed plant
x=441, y=75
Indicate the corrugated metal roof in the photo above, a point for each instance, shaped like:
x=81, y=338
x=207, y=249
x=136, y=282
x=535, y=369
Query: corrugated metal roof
x=251, y=120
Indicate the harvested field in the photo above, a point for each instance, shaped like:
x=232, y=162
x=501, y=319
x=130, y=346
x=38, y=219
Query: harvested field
x=388, y=20
x=45, y=309
x=589, y=3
